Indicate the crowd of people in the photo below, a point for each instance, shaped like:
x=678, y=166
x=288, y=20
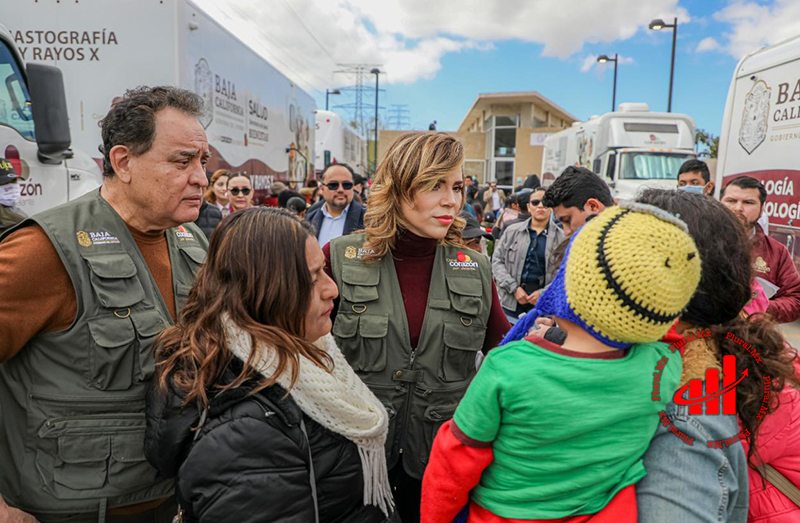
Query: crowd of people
x=424, y=350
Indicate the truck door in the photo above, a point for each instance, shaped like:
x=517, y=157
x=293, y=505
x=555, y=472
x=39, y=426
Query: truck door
x=43, y=186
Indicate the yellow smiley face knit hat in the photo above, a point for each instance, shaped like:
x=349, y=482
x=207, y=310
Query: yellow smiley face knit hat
x=626, y=277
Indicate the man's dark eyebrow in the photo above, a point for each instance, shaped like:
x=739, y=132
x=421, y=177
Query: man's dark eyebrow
x=186, y=154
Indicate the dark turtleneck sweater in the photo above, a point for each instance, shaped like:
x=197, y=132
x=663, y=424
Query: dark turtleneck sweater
x=413, y=262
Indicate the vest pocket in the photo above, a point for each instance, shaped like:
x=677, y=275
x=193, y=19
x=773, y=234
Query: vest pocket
x=363, y=340
x=93, y=456
x=114, y=280
x=195, y=255
x=111, y=360
x=466, y=295
x=359, y=283
x=128, y=467
x=434, y=417
x=460, y=345
x=148, y=323
x=81, y=462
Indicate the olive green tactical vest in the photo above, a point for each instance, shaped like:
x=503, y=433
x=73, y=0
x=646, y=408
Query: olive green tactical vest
x=419, y=386
x=72, y=402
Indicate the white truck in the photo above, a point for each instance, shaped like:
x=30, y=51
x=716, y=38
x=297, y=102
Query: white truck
x=257, y=120
x=336, y=142
x=760, y=134
x=35, y=133
x=628, y=148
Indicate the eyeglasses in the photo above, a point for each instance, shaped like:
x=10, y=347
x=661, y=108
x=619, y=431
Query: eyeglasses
x=235, y=191
x=334, y=186
x=536, y=203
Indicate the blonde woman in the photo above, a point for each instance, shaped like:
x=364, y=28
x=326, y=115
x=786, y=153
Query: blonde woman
x=415, y=306
x=217, y=192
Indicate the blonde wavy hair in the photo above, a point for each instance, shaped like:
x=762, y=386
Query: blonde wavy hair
x=415, y=162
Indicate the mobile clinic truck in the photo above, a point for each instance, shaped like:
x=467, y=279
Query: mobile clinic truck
x=628, y=148
x=256, y=119
x=35, y=134
x=761, y=134
x=338, y=143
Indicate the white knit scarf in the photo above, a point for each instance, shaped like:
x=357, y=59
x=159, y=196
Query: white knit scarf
x=337, y=400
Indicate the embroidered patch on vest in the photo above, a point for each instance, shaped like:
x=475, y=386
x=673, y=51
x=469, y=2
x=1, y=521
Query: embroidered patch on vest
x=350, y=253
x=183, y=234
x=85, y=239
x=462, y=261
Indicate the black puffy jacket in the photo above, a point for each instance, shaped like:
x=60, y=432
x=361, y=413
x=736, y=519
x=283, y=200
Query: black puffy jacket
x=209, y=218
x=250, y=462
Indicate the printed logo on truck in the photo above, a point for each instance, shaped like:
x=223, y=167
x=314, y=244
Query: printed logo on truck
x=204, y=87
x=755, y=117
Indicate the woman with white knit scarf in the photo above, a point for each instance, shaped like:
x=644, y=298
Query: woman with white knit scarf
x=255, y=410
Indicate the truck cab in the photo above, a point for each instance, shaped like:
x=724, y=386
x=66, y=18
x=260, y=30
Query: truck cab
x=34, y=133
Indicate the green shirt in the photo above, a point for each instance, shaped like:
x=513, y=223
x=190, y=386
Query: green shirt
x=568, y=433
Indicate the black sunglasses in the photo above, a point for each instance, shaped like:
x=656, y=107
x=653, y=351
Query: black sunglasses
x=535, y=203
x=235, y=191
x=334, y=186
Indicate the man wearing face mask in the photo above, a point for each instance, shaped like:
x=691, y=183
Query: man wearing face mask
x=693, y=176
x=10, y=192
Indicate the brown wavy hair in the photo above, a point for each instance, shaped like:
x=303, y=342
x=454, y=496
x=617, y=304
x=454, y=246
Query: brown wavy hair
x=723, y=292
x=210, y=195
x=415, y=162
x=255, y=272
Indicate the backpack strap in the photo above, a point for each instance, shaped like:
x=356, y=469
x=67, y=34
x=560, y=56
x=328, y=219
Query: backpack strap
x=780, y=482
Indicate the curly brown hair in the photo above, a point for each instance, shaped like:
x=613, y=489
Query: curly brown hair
x=723, y=292
x=257, y=275
x=415, y=162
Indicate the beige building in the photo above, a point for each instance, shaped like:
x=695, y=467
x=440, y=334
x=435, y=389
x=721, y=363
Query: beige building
x=503, y=135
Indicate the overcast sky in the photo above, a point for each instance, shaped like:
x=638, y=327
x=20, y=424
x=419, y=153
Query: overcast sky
x=438, y=55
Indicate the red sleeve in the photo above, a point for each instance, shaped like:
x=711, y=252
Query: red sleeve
x=498, y=323
x=453, y=470
x=785, y=305
x=326, y=250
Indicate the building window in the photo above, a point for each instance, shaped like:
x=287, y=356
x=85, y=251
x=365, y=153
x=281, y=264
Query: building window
x=505, y=121
x=539, y=123
x=505, y=143
x=504, y=172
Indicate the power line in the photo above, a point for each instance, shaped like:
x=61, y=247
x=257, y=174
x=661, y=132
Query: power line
x=245, y=16
x=311, y=34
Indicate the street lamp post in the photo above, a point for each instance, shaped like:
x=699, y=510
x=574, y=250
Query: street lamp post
x=377, y=73
x=657, y=25
x=329, y=92
x=603, y=59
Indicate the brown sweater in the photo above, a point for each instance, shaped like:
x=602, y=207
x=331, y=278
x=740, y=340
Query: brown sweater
x=36, y=292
